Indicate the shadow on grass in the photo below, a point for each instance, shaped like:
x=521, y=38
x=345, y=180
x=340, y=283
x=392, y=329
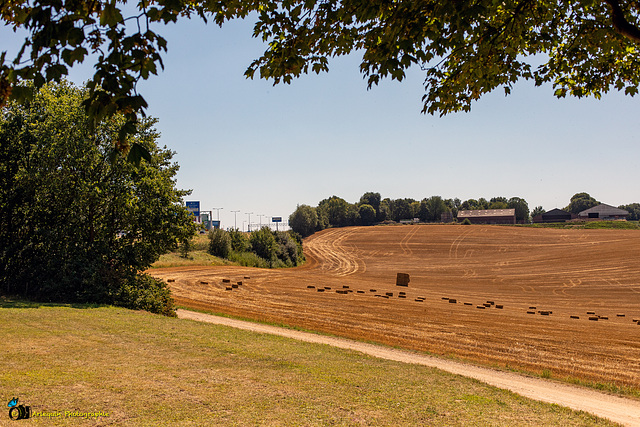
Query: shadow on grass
x=18, y=302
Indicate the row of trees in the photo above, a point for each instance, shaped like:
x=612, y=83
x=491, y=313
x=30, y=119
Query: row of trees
x=261, y=248
x=337, y=212
x=78, y=222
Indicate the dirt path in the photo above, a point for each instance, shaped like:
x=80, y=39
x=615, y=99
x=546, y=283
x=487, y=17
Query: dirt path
x=617, y=409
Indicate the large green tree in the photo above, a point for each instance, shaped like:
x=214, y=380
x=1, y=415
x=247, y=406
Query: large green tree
x=78, y=223
x=465, y=48
x=580, y=202
x=304, y=220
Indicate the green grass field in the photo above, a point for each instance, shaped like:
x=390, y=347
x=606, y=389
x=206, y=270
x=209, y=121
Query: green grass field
x=148, y=370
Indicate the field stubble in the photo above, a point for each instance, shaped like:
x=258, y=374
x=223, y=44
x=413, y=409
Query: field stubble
x=541, y=277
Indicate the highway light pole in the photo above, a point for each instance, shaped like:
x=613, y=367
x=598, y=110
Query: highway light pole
x=235, y=222
x=249, y=225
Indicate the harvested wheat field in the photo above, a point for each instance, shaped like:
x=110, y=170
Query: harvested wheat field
x=564, y=303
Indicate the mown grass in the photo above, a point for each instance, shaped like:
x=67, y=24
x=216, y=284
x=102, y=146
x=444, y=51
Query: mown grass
x=148, y=370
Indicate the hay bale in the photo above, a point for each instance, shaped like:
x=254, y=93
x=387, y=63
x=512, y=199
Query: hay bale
x=467, y=303
x=499, y=306
x=372, y=290
x=204, y=283
x=311, y=287
x=532, y=308
x=604, y=317
x=447, y=298
x=360, y=292
x=574, y=317
x=327, y=288
x=389, y=294
x=594, y=318
x=402, y=296
x=544, y=313
x=482, y=307
x=531, y=312
x=228, y=288
x=247, y=277
x=239, y=283
x=402, y=293
x=453, y=301
x=591, y=312
x=171, y=280
x=491, y=302
x=320, y=289
x=345, y=287
x=234, y=286
x=226, y=280
x=620, y=315
x=486, y=304
x=419, y=300
x=402, y=279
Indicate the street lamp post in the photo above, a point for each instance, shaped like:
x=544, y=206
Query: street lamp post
x=235, y=222
x=249, y=225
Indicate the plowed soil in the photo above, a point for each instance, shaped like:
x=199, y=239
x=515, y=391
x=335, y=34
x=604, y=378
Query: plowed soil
x=460, y=275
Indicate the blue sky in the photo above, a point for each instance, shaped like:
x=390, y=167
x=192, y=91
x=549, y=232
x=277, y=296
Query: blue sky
x=249, y=146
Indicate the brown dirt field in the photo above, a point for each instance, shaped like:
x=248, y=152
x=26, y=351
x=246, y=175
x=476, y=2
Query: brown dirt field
x=564, y=272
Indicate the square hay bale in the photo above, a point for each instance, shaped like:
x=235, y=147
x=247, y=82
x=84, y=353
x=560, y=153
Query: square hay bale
x=574, y=317
x=228, y=288
x=402, y=279
x=171, y=280
x=372, y=290
x=468, y=303
x=620, y=315
x=239, y=283
x=389, y=294
x=345, y=287
x=594, y=318
x=419, y=300
x=360, y=292
x=311, y=287
x=226, y=280
x=247, y=277
x=453, y=301
x=234, y=286
x=320, y=289
x=531, y=312
x=499, y=306
x=481, y=307
x=204, y=282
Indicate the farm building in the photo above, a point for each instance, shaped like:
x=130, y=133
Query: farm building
x=489, y=216
x=554, y=215
x=604, y=212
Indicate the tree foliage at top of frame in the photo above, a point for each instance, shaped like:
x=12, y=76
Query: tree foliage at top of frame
x=466, y=47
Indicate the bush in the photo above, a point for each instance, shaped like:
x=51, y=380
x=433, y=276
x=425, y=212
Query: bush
x=239, y=241
x=219, y=243
x=263, y=243
x=248, y=259
x=143, y=292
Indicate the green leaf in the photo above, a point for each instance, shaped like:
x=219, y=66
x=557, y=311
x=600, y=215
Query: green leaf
x=111, y=15
x=137, y=153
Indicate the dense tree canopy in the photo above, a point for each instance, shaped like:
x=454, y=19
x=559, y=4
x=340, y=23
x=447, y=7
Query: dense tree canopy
x=76, y=222
x=580, y=202
x=466, y=48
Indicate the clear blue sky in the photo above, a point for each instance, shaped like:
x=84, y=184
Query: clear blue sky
x=249, y=146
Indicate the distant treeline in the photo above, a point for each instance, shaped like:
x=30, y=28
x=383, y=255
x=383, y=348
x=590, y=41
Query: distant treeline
x=372, y=209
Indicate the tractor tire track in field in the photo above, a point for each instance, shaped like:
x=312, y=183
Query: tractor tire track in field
x=335, y=258
x=404, y=243
x=614, y=408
